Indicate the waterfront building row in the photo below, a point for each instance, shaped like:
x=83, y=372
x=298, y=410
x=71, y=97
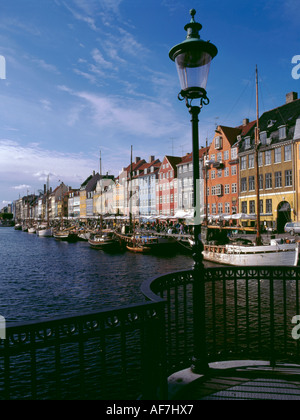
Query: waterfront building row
x=227, y=184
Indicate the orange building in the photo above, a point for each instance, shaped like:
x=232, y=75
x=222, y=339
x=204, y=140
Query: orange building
x=222, y=166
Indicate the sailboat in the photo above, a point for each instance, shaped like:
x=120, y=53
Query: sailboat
x=274, y=254
x=44, y=229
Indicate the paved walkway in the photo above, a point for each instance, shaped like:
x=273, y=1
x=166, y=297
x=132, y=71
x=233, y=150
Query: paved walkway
x=238, y=381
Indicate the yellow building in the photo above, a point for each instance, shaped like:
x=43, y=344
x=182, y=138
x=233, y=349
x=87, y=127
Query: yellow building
x=278, y=193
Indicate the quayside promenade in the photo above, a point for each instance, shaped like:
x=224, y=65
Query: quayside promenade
x=182, y=342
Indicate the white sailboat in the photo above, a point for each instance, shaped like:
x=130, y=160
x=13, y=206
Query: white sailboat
x=277, y=253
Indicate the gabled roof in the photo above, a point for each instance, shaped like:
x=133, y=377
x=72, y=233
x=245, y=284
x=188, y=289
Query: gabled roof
x=189, y=156
x=173, y=160
x=245, y=129
x=90, y=183
x=230, y=133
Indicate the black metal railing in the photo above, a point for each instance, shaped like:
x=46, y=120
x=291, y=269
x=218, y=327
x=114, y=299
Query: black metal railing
x=115, y=354
x=214, y=314
x=248, y=313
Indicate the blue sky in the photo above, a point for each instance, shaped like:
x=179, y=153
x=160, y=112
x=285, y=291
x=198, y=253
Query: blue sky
x=90, y=75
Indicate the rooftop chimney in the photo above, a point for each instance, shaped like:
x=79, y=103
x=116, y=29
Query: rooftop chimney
x=245, y=121
x=151, y=159
x=290, y=97
x=137, y=159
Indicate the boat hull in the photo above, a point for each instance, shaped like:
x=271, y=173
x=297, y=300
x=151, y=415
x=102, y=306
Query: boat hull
x=269, y=255
x=139, y=249
x=44, y=232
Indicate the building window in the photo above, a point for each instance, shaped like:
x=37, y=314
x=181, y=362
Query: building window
x=243, y=184
x=233, y=188
x=282, y=132
x=220, y=208
x=226, y=172
x=288, y=152
x=219, y=173
x=243, y=162
x=247, y=143
x=219, y=157
x=227, y=189
x=268, y=157
x=251, y=161
x=263, y=137
x=261, y=181
x=251, y=206
x=268, y=181
x=227, y=208
x=251, y=183
x=288, y=178
x=260, y=159
x=233, y=153
x=277, y=155
x=213, y=174
x=269, y=205
x=214, y=208
x=226, y=154
x=233, y=170
x=244, y=207
x=278, y=179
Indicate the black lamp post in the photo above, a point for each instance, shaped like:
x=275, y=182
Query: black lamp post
x=193, y=57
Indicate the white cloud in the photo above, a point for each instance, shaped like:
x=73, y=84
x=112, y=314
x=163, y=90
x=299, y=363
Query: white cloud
x=32, y=164
x=21, y=187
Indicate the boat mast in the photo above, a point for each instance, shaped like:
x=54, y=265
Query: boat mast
x=130, y=194
x=101, y=192
x=258, y=235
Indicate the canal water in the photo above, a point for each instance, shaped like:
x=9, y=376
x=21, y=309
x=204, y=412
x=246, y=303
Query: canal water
x=42, y=278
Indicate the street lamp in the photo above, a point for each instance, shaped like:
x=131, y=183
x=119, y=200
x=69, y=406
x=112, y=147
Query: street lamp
x=193, y=57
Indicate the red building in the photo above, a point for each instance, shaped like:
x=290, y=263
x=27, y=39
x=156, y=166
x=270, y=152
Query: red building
x=166, y=189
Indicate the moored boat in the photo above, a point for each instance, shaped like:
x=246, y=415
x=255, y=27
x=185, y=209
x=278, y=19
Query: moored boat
x=44, y=231
x=275, y=254
x=105, y=241
x=139, y=248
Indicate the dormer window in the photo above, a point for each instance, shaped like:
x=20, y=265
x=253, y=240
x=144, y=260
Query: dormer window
x=263, y=137
x=247, y=143
x=282, y=132
x=271, y=123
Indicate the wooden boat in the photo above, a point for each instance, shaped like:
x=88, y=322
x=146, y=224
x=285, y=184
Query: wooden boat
x=105, y=241
x=44, y=231
x=65, y=236
x=139, y=248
